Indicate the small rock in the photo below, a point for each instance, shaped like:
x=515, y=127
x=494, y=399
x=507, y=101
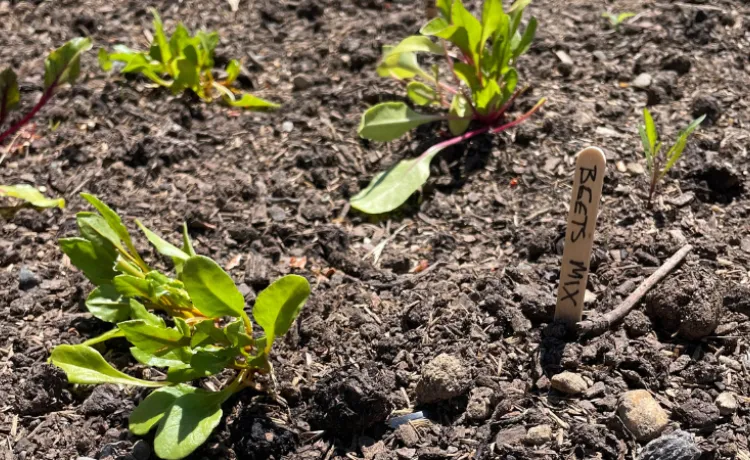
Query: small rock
x=27, y=279
x=539, y=435
x=745, y=245
x=678, y=445
x=620, y=165
x=566, y=64
x=481, y=403
x=301, y=83
x=642, y=414
x=276, y=213
x=708, y=106
x=589, y=297
x=141, y=450
x=696, y=413
x=596, y=390
x=287, y=127
x=443, y=378
x=406, y=453
x=727, y=403
x=569, y=383
x=511, y=436
x=682, y=200
x=407, y=435
x=635, y=169
x=642, y=81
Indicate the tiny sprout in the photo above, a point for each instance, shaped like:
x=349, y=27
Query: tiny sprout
x=658, y=164
x=616, y=19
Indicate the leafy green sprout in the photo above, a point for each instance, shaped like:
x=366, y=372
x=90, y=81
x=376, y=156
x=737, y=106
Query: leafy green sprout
x=480, y=86
x=616, y=19
x=29, y=197
x=62, y=66
x=201, y=329
x=659, y=163
x=184, y=62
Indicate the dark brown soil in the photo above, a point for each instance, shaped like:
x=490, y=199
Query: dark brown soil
x=269, y=187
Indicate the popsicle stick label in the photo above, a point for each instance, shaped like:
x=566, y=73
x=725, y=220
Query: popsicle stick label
x=579, y=234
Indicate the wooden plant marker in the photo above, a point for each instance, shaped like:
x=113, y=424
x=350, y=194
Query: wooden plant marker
x=579, y=235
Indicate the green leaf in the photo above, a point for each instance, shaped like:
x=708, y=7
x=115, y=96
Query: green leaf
x=390, y=120
x=107, y=304
x=390, y=189
x=132, y=286
x=526, y=39
x=435, y=26
x=160, y=49
x=152, y=339
x=487, y=98
x=173, y=358
x=184, y=373
x=187, y=245
x=444, y=7
x=650, y=129
x=153, y=409
x=188, y=423
x=85, y=365
x=206, y=333
x=98, y=267
x=211, y=289
x=462, y=18
x=519, y=5
x=236, y=335
x=9, y=94
x=420, y=93
x=646, y=147
x=138, y=311
x=210, y=360
x=467, y=74
x=110, y=334
x=94, y=228
x=675, y=153
x=187, y=76
x=248, y=101
x=31, y=195
x=510, y=82
x=64, y=64
x=417, y=44
x=494, y=20
x=400, y=66
x=179, y=39
x=115, y=223
x=277, y=306
x=460, y=121
x=233, y=71
x=163, y=247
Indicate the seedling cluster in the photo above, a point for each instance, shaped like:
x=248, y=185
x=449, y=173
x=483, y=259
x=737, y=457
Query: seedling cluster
x=193, y=324
x=480, y=87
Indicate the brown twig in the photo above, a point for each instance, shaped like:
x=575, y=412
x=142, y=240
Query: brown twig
x=604, y=322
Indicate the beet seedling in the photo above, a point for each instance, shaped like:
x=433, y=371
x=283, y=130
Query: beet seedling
x=616, y=19
x=658, y=163
x=30, y=198
x=187, y=62
x=201, y=330
x=485, y=84
x=62, y=66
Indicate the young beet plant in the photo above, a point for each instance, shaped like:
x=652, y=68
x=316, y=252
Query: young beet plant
x=616, y=19
x=483, y=85
x=30, y=198
x=62, y=66
x=657, y=162
x=201, y=328
x=183, y=62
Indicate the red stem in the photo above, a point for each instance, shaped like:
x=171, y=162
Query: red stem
x=46, y=96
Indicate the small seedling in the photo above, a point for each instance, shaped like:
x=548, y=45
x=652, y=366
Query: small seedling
x=62, y=66
x=184, y=62
x=486, y=84
x=658, y=163
x=193, y=324
x=616, y=19
x=30, y=198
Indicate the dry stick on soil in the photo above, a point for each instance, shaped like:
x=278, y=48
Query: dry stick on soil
x=599, y=325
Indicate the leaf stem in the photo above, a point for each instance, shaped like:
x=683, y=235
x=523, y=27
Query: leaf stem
x=46, y=96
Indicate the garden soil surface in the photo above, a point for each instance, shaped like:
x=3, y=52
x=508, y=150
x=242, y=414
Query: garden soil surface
x=468, y=268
